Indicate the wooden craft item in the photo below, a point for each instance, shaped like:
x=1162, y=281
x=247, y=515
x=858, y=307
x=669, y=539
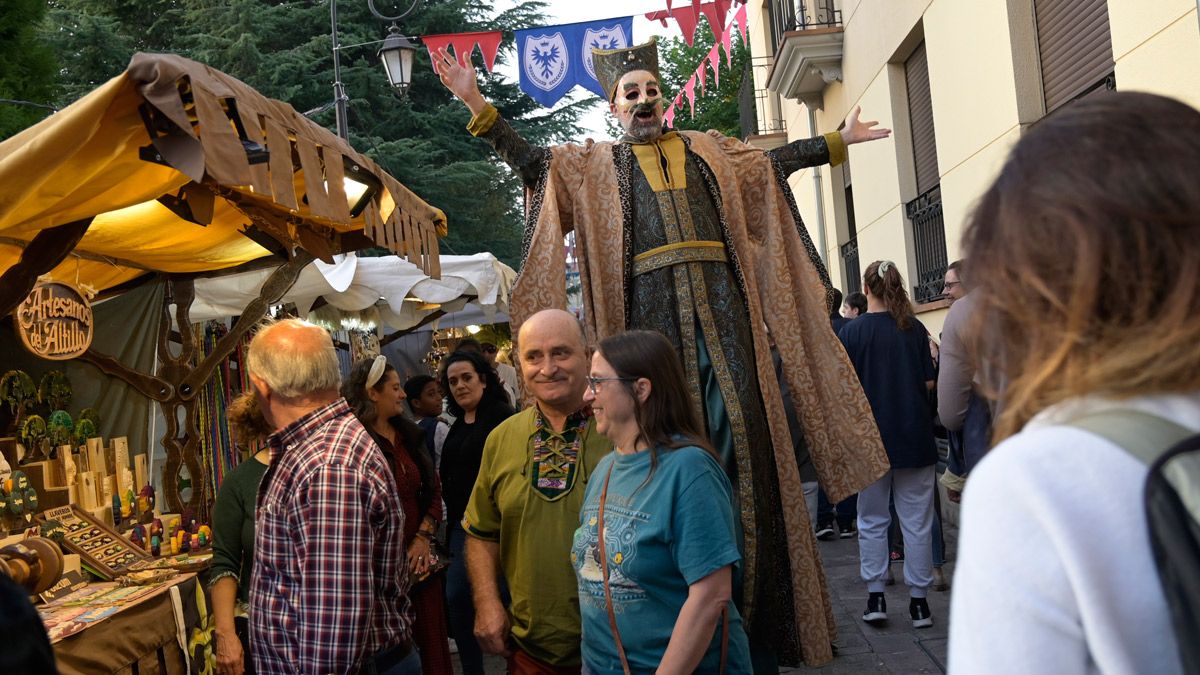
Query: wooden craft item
x=140, y=472
x=99, y=546
x=120, y=467
x=87, y=490
x=95, y=455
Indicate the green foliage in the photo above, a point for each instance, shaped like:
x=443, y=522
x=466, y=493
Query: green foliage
x=55, y=389
x=62, y=418
x=91, y=415
x=283, y=49
x=717, y=107
x=33, y=430
x=27, y=73
x=18, y=390
x=84, y=430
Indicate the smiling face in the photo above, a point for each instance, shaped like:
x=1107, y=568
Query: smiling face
x=466, y=386
x=638, y=105
x=554, y=360
x=388, y=395
x=612, y=402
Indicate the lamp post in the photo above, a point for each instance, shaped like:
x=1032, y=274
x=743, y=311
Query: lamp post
x=396, y=52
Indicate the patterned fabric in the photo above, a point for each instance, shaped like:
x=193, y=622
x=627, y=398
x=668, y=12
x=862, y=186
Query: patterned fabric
x=329, y=588
x=736, y=194
x=556, y=455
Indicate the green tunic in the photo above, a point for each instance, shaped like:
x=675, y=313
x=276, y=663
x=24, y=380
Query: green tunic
x=233, y=526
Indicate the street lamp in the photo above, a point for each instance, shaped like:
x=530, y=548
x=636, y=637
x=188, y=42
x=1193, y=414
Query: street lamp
x=396, y=53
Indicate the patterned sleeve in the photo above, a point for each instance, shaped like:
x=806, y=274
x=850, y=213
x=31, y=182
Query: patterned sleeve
x=806, y=152
x=529, y=161
x=334, y=547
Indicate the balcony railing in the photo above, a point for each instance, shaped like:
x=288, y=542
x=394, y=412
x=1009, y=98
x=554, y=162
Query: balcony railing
x=789, y=15
x=929, y=242
x=850, y=264
x=758, y=109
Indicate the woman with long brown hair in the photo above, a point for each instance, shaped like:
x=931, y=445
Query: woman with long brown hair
x=373, y=391
x=890, y=351
x=655, y=594
x=1086, y=268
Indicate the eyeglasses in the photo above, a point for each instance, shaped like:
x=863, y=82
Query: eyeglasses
x=951, y=284
x=594, y=381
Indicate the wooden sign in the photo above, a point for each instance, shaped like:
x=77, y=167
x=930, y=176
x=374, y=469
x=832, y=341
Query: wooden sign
x=55, y=321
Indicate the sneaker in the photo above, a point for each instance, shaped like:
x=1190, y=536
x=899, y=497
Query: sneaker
x=918, y=611
x=939, y=580
x=825, y=531
x=876, y=612
x=847, y=530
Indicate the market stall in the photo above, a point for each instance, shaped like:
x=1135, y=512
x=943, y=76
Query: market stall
x=169, y=173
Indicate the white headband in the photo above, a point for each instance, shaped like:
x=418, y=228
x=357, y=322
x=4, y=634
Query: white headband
x=377, y=370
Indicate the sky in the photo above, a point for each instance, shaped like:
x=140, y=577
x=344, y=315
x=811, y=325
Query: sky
x=572, y=11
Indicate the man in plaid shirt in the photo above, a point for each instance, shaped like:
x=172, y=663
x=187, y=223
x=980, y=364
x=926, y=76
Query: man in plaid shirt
x=329, y=588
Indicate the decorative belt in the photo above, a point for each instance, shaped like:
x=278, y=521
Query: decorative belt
x=678, y=253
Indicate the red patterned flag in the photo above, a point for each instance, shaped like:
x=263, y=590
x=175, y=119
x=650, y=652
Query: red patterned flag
x=463, y=44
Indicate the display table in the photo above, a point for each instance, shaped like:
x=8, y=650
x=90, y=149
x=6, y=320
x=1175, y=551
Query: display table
x=135, y=630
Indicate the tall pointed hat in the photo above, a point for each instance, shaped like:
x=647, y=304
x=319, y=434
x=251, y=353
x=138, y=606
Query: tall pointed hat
x=612, y=64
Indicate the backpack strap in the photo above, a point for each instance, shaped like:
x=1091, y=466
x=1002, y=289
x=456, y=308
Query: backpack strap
x=1145, y=436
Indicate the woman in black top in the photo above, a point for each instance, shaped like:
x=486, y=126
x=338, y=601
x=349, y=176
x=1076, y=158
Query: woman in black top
x=890, y=352
x=476, y=398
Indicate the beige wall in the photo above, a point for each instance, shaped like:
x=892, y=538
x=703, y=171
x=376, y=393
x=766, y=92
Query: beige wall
x=980, y=56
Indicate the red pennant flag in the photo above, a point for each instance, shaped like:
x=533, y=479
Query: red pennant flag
x=727, y=42
x=669, y=116
x=701, y=74
x=714, y=60
x=689, y=90
x=463, y=44
x=489, y=45
x=740, y=18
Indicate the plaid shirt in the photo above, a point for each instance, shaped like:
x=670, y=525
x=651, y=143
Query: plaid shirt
x=329, y=588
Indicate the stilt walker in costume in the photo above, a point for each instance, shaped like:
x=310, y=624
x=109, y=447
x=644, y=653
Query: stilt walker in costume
x=697, y=236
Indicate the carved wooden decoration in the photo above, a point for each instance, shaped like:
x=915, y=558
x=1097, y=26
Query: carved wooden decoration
x=177, y=383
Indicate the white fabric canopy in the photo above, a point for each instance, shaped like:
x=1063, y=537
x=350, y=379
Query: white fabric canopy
x=400, y=291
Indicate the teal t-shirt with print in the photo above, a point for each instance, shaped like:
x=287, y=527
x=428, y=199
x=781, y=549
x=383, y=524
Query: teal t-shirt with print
x=662, y=535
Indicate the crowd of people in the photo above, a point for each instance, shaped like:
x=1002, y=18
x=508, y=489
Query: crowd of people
x=600, y=523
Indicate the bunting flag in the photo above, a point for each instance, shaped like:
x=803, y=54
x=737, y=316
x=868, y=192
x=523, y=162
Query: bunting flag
x=689, y=17
x=689, y=90
x=714, y=60
x=553, y=59
x=463, y=44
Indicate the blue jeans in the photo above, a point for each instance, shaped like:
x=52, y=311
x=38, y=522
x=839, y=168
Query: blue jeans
x=409, y=665
x=846, y=510
x=459, y=604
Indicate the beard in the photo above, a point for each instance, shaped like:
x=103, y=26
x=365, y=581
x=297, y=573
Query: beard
x=645, y=122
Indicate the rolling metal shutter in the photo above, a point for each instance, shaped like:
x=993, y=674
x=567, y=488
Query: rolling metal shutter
x=1075, y=48
x=920, y=113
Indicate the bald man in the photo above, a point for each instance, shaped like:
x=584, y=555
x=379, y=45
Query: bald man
x=329, y=589
x=525, y=506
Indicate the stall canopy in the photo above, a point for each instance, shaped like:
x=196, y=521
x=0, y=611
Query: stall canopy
x=389, y=289
x=175, y=167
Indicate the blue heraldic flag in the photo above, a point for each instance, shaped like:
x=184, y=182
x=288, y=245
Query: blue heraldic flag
x=553, y=59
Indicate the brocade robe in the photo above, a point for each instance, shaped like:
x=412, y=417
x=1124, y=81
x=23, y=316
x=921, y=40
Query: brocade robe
x=661, y=249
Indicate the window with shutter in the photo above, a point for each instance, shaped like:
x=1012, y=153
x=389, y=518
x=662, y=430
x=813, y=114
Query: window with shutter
x=924, y=212
x=1074, y=48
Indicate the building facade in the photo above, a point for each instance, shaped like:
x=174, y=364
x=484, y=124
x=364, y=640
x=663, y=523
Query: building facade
x=958, y=82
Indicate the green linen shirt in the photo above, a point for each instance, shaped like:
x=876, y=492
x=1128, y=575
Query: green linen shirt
x=535, y=528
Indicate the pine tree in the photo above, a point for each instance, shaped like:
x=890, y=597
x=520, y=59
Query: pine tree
x=283, y=49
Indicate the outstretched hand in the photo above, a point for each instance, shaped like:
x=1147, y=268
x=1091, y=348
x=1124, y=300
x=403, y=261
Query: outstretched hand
x=459, y=80
x=856, y=131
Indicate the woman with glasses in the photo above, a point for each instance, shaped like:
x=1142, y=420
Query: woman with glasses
x=655, y=594
x=479, y=404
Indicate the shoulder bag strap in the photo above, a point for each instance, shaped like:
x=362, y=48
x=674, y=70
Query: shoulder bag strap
x=602, y=548
x=612, y=617
x=1142, y=435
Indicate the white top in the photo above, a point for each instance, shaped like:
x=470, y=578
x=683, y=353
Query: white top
x=1055, y=573
x=508, y=378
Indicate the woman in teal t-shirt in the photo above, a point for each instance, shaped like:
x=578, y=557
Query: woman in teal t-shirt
x=664, y=577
